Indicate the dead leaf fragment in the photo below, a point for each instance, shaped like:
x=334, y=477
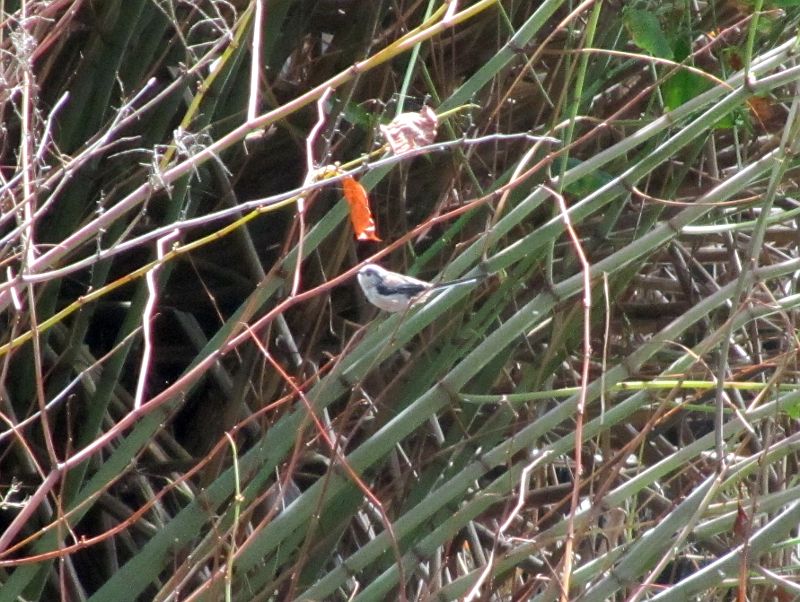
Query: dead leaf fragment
x=360, y=214
x=408, y=131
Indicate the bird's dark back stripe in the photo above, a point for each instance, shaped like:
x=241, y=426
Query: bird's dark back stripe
x=406, y=289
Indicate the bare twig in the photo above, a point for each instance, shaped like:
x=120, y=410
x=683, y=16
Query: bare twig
x=255, y=61
x=580, y=408
x=147, y=317
x=311, y=175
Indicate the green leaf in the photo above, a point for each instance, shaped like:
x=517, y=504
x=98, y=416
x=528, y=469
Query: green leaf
x=588, y=183
x=793, y=410
x=646, y=33
x=682, y=87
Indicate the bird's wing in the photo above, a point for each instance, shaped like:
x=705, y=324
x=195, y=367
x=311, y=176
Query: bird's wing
x=406, y=288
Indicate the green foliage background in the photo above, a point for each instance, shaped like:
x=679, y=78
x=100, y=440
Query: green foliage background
x=284, y=444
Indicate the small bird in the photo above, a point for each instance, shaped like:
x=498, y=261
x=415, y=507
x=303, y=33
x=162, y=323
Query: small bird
x=395, y=292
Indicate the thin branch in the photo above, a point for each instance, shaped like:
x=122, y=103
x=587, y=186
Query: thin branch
x=147, y=318
x=581, y=405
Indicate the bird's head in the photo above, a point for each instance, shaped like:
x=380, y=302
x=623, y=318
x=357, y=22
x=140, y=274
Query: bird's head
x=371, y=275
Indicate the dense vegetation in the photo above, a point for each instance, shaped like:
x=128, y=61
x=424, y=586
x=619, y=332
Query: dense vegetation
x=188, y=412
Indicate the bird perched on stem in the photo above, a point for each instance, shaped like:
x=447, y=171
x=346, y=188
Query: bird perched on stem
x=395, y=292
